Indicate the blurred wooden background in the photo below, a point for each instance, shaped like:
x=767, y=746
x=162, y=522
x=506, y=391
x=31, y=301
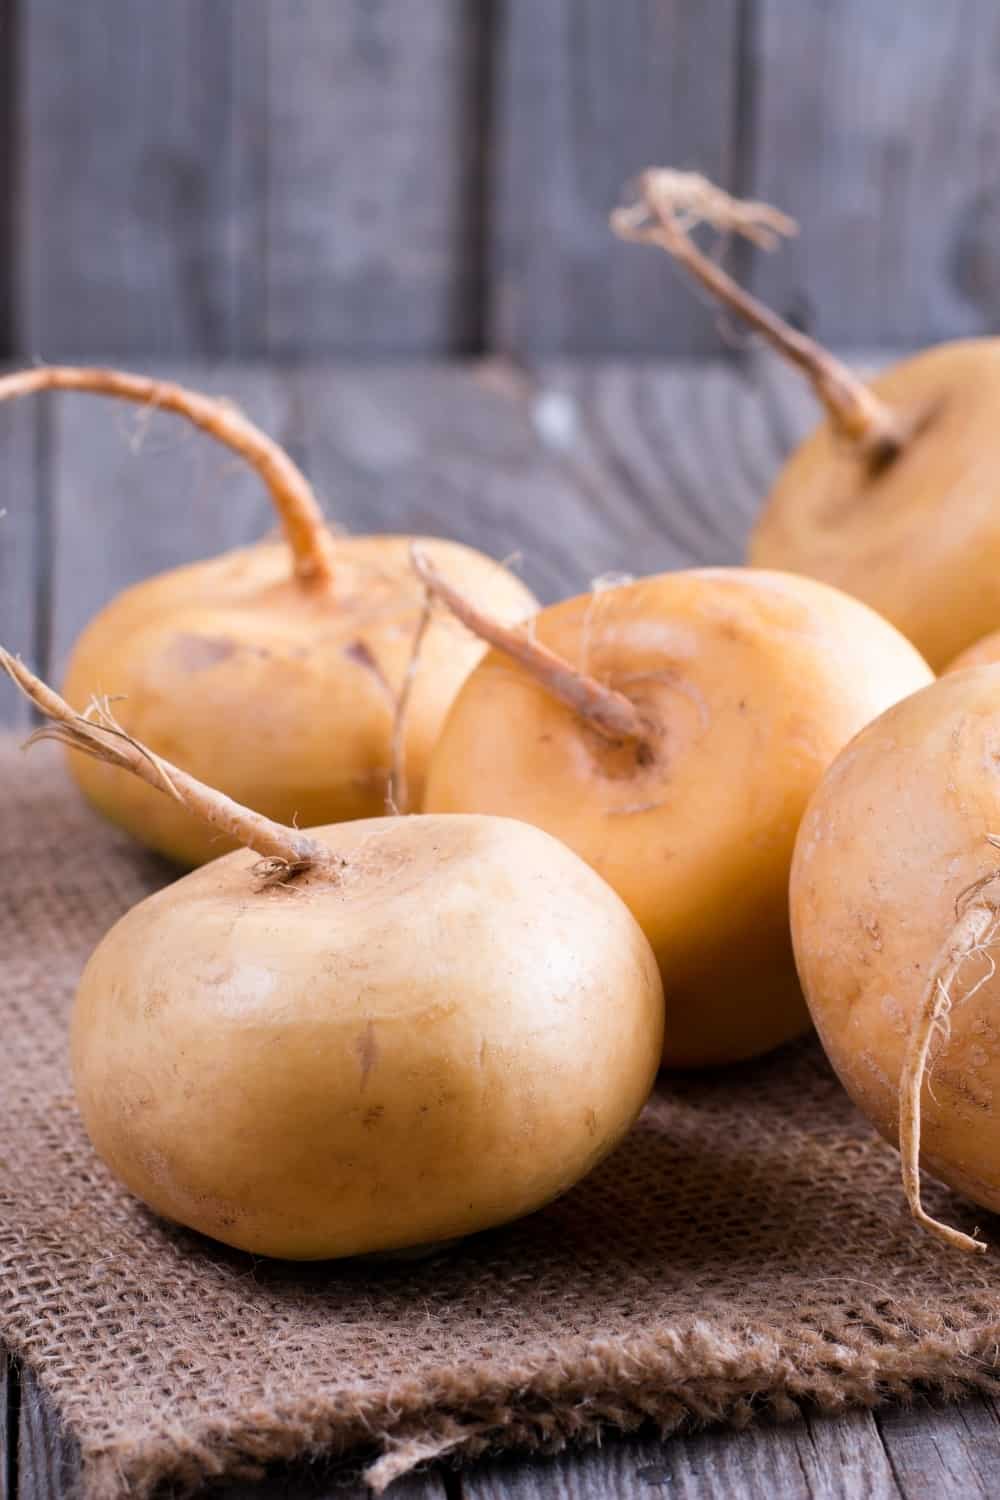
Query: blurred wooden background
x=373, y=177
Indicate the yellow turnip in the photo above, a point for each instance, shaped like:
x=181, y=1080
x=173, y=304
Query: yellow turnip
x=362, y=1038
x=274, y=671
x=895, y=907
x=671, y=731
x=894, y=496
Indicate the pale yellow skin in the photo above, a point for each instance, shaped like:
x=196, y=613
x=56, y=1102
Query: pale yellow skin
x=448, y=1038
x=749, y=684
x=892, y=842
x=280, y=694
x=920, y=540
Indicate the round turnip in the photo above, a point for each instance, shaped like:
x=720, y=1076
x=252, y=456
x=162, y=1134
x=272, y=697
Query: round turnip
x=671, y=731
x=274, y=671
x=895, y=909
x=359, y=1039
x=893, y=497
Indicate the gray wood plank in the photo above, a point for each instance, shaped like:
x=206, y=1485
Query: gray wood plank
x=375, y=130
x=48, y=1459
x=133, y=494
x=140, y=212
x=8, y=170
x=587, y=94
x=876, y=126
x=825, y=1458
x=9, y=1398
x=952, y=1452
x=579, y=470
x=23, y=543
x=673, y=458
x=448, y=451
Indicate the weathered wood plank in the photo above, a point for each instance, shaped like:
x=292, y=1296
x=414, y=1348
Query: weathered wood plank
x=374, y=165
x=8, y=171
x=139, y=213
x=951, y=1452
x=23, y=542
x=48, y=1460
x=578, y=470
x=586, y=94
x=822, y=1459
x=447, y=451
x=134, y=493
x=9, y=1398
x=876, y=126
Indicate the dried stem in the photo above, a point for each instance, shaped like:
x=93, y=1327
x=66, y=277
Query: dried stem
x=670, y=205
x=397, y=800
x=971, y=934
x=291, y=493
x=609, y=712
x=99, y=735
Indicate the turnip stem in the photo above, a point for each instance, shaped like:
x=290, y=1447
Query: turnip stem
x=397, y=799
x=97, y=734
x=670, y=204
x=967, y=937
x=308, y=535
x=607, y=711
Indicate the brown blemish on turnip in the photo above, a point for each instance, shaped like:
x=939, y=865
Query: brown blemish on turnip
x=194, y=653
x=360, y=652
x=367, y=1050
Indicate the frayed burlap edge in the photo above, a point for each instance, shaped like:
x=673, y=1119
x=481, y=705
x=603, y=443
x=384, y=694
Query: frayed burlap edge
x=673, y=1380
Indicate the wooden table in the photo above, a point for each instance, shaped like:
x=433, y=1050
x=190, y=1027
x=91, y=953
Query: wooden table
x=579, y=470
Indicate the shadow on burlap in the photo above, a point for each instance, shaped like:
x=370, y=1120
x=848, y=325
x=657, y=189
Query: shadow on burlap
x=744, y=1250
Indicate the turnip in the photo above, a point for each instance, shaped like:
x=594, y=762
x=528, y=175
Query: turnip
x=981, y=653
x=894, y=496
x=273, y=671
x=362, y=1038
x=671, y=731
x=895, y=907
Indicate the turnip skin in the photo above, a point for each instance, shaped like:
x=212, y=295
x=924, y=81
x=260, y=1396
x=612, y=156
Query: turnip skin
x=917, y=539
x=982, y=653
x=447, y=1038
x=892, y=845
x=749, y=684
x=281, y=696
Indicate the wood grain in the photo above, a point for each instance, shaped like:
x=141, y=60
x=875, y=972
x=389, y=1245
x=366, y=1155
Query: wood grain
x=9, y=1401
x=48, y=1461
x=248, y=178
x=139, y=227
x=876, y=126
x=950, y=1452
x=823, y=1458
x=373, y=164
x=23, y=543
x=8, y=171
x=586, y=95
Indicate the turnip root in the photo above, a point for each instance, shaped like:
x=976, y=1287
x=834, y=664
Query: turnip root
x=362, y=1038
x=671, y=731
x=895, y=907
x=273, y=671
x=894, y=496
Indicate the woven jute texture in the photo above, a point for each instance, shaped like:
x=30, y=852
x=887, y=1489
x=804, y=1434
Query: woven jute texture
x=745, y=1250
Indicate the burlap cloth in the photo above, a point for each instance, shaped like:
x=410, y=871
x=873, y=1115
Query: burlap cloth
x=744, y=1250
